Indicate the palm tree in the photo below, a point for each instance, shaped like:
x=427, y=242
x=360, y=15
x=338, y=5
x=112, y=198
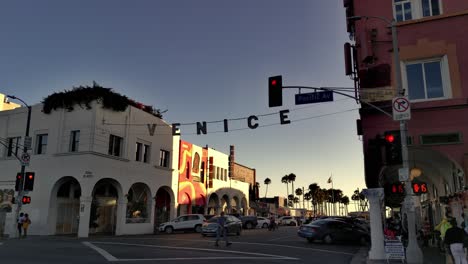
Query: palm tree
x=314, y=192
x=307, y=197
x=337, y=195
x=285, y=180
x=292, y=179
x=267, y=182
x=300, y=193
x=345, y=202
x=296, y=200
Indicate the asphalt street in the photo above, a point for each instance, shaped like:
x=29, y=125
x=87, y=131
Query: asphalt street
x=253, y=246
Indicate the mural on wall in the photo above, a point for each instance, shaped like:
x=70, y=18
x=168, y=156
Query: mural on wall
x=192, y=178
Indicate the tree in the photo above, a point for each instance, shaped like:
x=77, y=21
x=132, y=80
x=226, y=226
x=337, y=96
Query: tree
x=300, y=193
x=345, y=202
x=267, y=182
x=285, y=180
x=314, y=189
x=292, y=179
x=307, y=197
x=296, y=200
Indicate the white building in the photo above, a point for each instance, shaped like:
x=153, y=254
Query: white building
x=96, y=170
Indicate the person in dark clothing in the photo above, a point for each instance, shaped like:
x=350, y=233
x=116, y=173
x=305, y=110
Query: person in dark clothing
x=222, y=230
x=454, y=239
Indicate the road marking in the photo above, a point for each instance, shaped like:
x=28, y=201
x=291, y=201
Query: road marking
x=279, y=238
x=249, y=243
x=101, y=251
x=269, y=256
x=207, y=258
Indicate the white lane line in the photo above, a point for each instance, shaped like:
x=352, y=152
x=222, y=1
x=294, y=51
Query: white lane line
x=101, y=251
x=199, y=249
x=279, y=238
x=248, y=243
x=205, y=258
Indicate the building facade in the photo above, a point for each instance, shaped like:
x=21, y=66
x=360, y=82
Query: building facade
x=97, y=171
x=434, y=65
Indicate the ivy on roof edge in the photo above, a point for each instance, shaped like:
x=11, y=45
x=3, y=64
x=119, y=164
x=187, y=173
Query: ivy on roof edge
x=84, y=95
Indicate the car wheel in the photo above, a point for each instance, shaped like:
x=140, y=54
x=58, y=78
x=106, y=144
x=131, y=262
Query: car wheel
x=198, y=228
x=248, y=225
x=328, y=239
x=265, y=225
x=292, y=224
x=169, y=230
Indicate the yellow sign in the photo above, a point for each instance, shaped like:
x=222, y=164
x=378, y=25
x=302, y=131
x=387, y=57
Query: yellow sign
x=380, y=94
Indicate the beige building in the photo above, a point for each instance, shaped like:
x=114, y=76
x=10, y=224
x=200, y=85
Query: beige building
x=5, y=104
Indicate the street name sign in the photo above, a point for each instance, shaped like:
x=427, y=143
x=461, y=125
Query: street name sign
x=315, y=97
x=401, y=108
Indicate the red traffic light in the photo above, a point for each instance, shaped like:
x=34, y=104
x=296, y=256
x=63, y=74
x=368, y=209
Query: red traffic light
x=30, y=176
x=26, y=200
x=389, y=138
x=273, y=82
x=419, y=188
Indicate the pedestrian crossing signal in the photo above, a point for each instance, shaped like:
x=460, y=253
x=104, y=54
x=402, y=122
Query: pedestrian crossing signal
x=419, y=187
x=26, y=200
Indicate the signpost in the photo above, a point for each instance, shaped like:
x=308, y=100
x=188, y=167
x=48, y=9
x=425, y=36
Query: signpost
x=315, y=97
x=25, y=158
x=401, y=108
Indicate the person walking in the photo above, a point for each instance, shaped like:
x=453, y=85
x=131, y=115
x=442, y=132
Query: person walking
x=454, y=239
x=26, y=223
x=20, y=224
x=222, y=230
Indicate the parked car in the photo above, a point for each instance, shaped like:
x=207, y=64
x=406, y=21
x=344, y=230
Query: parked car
x=248, y=221
x=233, y=225
x=359, y=222
x=331, y=230
x=190, y=222
x=263, y=222
x=287, y=220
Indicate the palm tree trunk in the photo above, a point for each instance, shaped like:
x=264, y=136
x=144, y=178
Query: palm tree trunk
x=266, y=191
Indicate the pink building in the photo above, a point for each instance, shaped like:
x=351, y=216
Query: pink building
x=433, y=42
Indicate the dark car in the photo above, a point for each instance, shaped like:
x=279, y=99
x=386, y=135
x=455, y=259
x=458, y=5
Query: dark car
x=248, y=221
x=331, y=230
x=354, y=221
x=233, y=225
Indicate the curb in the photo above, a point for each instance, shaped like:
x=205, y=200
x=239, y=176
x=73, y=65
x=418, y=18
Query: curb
x=360, y=257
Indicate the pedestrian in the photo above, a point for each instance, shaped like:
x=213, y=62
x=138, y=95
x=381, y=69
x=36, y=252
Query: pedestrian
x=26, y=223
x=20, y=224
x=222, y=230
x=426, y=232
x=454, y=239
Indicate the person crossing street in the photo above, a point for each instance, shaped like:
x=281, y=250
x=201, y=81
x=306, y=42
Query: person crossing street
x=222, y=230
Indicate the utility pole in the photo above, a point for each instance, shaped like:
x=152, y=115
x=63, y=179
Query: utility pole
x=25, y=150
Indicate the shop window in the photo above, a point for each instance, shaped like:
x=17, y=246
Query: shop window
x=137, y=206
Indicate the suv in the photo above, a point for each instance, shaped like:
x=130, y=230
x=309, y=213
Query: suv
x=184, y=222
x=287, y=220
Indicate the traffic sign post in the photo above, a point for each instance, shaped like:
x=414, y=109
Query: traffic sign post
x=25, y=158
x=401, y=108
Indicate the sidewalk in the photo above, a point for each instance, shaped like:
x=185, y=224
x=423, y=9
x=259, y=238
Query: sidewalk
x=432, y=255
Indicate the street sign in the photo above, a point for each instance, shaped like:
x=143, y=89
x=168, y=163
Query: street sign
x=25, y=158
x=315, y=97
x=401, y=108
x=403, y=174
x=27, y=142
x=394, y=249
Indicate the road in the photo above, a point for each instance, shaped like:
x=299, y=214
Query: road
x=253, y=246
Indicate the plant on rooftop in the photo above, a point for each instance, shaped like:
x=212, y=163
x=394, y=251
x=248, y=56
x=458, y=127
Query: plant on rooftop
x=84, y=95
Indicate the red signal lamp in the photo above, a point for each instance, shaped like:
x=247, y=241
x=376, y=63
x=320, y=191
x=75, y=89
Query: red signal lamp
x=389, y=138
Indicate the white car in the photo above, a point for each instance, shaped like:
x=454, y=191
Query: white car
x=192, y=222
x=287, y=220
x=263, y=222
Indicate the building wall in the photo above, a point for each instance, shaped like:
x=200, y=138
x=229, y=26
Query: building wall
x=5, y=104
x=90, y=164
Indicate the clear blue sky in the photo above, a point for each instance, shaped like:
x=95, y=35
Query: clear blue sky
x=202, y=60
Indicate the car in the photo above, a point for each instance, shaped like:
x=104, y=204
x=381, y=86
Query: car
x=287, y=220
x=263, y=222
x=233, y=225
x=331, y=230
x=248, y=221
x=189, y=222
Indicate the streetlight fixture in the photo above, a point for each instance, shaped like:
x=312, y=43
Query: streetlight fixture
x=413, y=252
x=25, y=150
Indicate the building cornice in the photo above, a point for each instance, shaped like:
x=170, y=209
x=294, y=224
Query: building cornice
x=432, y=18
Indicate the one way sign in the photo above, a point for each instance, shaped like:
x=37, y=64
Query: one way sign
x=401, y=108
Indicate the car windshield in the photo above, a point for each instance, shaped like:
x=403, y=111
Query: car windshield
x=213, y=219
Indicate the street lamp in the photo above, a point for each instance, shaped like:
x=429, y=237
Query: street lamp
x=413, y=252
x=25, y=150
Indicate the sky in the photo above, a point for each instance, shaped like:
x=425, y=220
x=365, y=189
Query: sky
x=204, y=60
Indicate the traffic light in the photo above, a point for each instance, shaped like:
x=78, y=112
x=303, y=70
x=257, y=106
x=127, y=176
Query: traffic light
x=373, y=162
x=29, y=181
x=275, y=91
x=19, y=181
x=393, y=147
x=26, y=200
x=419, y=187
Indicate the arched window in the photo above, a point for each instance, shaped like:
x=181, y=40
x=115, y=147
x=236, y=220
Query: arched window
x=196, y=163
x=137, y=206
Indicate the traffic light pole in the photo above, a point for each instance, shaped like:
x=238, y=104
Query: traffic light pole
x=23, y=167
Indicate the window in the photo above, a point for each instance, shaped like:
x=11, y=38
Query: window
x=427, y=80
x=146, y=153
x=164, y=159
x=138, y=147
x=74, y=140
x=41, y=144
x=137, y=206
x=142, y=152
x=196, y=163
x=115, y=145
x=402, y=10
x=13, y=146
x=430, y=7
